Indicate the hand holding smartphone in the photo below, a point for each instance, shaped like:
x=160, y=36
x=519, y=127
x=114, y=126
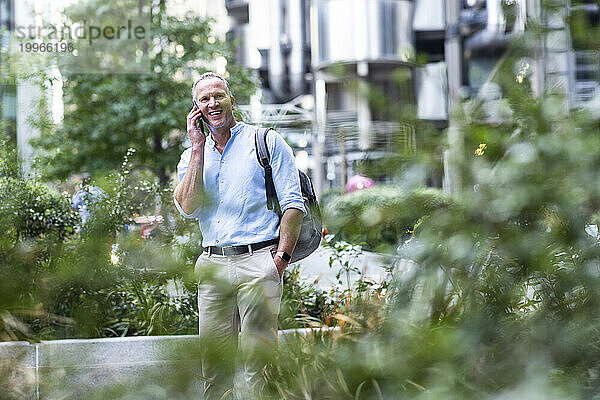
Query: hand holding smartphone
x=199, y=121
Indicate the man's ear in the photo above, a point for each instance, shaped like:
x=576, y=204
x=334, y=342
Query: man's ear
x=232, y=102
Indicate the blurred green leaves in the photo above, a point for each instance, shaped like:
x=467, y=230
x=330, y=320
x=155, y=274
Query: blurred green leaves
x=105, y=114
x=494, y=293
x=382, y=216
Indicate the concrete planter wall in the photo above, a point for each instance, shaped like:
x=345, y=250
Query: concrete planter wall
x=74, y=369
x=106, y=368
x=18, y=372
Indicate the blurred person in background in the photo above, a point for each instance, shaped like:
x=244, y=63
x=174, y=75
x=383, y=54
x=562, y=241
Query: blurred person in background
x=84, y=200
x=247, y=246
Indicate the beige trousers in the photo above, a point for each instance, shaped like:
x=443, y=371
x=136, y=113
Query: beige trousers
x=237, y=293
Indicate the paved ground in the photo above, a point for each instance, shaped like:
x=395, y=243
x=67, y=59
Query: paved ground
x=316, y=267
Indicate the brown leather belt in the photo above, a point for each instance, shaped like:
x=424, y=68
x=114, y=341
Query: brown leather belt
x=237, y=250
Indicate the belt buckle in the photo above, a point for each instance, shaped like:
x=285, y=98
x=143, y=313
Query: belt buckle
x=226, y=247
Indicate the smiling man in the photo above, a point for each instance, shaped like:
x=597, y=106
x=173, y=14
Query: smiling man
x=248, y=246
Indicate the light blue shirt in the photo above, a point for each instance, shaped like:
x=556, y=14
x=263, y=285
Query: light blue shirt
x=234, y=208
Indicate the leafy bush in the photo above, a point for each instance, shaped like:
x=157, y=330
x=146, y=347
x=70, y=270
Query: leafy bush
x=303, y=304
x=34, y=223
x=497, y=293
x=382, y=216
x=57, y=281
x=137, y=306
x=29, y=210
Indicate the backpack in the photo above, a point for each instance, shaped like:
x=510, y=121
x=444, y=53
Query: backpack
x=310, y=233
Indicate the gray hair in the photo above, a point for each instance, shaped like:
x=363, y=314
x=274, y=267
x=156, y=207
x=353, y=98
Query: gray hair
x=209, y=75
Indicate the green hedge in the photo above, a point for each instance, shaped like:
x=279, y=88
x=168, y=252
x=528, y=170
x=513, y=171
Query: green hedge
x=380, y=216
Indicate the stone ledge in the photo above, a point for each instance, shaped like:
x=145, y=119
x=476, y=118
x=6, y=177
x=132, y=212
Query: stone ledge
x=74, y=368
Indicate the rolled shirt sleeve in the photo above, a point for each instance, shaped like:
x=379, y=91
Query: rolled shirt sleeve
x=285, y=173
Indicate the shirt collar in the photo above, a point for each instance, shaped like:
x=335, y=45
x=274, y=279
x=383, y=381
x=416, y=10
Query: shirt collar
x=237, y=128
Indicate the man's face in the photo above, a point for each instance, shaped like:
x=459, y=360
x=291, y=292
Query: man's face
x=214, y=102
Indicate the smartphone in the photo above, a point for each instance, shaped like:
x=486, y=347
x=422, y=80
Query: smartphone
x=199, y=121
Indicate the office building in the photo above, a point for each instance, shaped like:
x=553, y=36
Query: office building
x=322, y=61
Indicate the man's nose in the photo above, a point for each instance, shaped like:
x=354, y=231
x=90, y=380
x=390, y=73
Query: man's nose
x=212, y=102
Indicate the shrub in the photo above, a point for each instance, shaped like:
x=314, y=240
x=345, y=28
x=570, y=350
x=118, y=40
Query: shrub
x=57, y=281
x=303, y=304
x=29, y=210
x=381, y=217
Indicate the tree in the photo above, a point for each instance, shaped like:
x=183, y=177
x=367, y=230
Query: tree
x=105, y=114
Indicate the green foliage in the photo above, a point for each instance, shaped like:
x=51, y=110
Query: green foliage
x=29, y=210
x=9, y=165
x=585, y=33
x=381, y=217
x=499, y=298
x=494, y=296
x=128, y=194
x=105, y=114
x=134, y=304
x=61, y=280
x=34, y=223
x=303, y=304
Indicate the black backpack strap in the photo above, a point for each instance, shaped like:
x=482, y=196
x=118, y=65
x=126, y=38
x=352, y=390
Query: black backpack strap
x=264, y=159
